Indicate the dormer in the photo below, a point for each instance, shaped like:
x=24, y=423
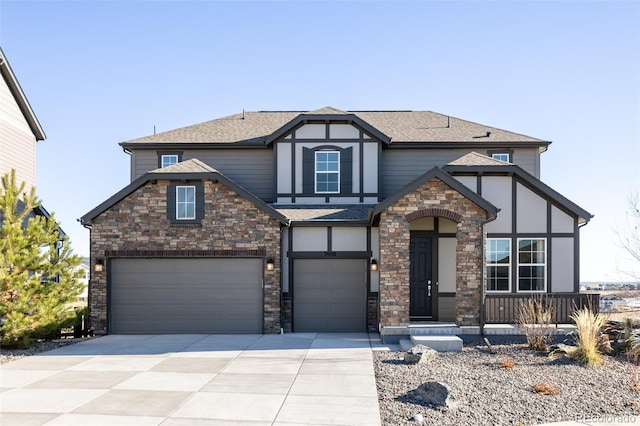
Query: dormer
x=327, y=156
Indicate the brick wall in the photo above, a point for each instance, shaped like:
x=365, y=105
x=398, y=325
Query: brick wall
x=433, y=198
x=138, y=224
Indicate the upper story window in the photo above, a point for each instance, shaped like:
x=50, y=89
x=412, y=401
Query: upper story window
x=169, y=158
x=327, y=169
x=506, y=156
x=327, y=174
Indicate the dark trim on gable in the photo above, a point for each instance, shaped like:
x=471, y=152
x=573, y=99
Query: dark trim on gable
x=447, y=179
x=325, y=118
x=531, y=182
x=155, y=176
x=21, y=99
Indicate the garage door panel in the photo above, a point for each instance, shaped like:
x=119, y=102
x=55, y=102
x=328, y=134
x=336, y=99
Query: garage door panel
x=329, y=295
x=186, y=295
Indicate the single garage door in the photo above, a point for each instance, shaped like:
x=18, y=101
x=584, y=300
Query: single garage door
x=329, y=295
x=186, y=296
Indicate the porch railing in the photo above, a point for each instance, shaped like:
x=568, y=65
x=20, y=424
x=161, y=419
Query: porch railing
x=503, y=308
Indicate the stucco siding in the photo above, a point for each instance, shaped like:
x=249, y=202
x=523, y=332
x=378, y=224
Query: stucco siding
x=560, y=221
x=348, y=239
x=497, y=190
x=447, y=266
x=531, y=213
x=562, y=260
x=310, y=239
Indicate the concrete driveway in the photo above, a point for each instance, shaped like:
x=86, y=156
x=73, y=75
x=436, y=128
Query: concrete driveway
x=300, y=378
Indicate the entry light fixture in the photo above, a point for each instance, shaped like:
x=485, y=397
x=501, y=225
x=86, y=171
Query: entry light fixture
x=270, y=265
x=373, y=265
x=99, y=265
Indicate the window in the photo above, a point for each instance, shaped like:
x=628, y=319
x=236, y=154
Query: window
x=327, y=172
x=532, y=264
x=167, y=160
x=185, y=202
x=502, y=156
x=498, y=264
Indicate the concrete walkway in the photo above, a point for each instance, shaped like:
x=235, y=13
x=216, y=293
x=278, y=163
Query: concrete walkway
x=290, y=379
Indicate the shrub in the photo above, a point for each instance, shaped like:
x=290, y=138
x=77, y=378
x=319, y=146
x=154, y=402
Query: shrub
x=588, y=325
x=535, y=318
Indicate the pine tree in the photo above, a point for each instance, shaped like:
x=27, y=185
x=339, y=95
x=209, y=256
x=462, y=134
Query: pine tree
x=38, y=270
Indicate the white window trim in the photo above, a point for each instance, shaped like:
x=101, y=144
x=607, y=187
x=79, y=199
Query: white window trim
x=546, y=275
x=163, y=156
x=316, y=172
x=500, y=154
x=487, y=264
x=178, y=202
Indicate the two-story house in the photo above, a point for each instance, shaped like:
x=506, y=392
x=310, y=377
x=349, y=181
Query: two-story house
x=20, y=131
x=327, y=221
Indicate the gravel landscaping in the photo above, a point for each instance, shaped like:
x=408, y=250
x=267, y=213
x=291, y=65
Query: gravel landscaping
x=488, y=393
x=8, y=355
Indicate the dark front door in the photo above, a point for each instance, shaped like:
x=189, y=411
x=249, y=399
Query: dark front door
x=421, y=289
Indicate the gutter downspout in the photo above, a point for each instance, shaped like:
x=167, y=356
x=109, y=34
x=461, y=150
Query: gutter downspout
x=482, y=286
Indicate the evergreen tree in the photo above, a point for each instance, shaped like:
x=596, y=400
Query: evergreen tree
x=38, y=271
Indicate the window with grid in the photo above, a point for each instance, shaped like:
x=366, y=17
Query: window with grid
x=185, y=202
x=327, y=172
x=498, y=264
x=532, y=264
x=168, y=160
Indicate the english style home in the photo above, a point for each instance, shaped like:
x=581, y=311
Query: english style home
x=327, y=220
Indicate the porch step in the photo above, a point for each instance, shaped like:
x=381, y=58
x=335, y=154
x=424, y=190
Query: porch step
x=434, y=330
x=439, y=343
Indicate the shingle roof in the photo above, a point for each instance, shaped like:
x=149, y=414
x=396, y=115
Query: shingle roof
x=326, y=213
x=400, y=126
x=475, y=159
x=188, y=166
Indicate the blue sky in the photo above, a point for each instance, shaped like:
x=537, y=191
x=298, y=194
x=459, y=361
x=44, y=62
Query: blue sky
x=98, y=73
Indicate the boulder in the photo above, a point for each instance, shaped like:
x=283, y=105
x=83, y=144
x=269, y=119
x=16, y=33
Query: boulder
x=435, y=394
x=419, y=354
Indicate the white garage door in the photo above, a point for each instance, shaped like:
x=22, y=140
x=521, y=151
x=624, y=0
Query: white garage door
x=186, y=296
x=329, y=295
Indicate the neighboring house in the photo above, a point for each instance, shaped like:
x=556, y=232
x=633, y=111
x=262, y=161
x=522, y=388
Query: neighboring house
x=327, y=221
x=20, y=130
x=85, y=275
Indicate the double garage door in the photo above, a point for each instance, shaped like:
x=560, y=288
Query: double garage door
x=329, y=295
x=186, y=296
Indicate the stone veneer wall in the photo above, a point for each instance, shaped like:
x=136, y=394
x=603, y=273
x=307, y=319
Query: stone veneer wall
x=437, y=198
x=138, y=226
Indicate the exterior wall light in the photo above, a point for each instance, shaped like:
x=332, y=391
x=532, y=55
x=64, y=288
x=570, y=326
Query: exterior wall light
x=99, y=265
x=270, y=265
x=374, y=265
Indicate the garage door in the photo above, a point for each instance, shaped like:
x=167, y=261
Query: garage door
x=329, y=295
x=186, y=296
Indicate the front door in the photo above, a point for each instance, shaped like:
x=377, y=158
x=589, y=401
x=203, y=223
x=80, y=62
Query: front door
x=421, y=288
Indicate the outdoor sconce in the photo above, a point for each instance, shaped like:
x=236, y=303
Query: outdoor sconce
x=99, y=265
x=374, y=265
x=270, y=265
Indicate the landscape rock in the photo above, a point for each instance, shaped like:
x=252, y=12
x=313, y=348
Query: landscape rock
x=561, y=349
x=436, y=394
x=420, y=354
x=418, y=418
